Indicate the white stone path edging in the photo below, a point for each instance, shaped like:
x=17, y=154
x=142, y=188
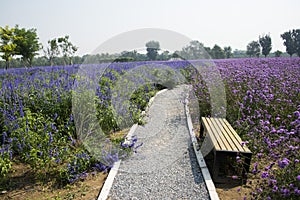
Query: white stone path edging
x=205, y=173
x=114, y=170
x=109, y=181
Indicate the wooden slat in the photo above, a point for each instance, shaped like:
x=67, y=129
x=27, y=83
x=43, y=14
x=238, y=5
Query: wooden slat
x=229, y=134
x=209, y=131
x=237, y=137
x=224, y=130
x=225, y=141
x=234, y=139
x=223, y=136
x=219, y=135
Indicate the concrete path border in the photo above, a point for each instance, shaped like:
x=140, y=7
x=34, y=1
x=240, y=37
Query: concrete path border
x=205, y=173
x=103, y=195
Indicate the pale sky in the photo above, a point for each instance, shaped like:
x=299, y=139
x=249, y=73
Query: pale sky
x=89, y=23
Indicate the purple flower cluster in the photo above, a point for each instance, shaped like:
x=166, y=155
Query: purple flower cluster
x=36, y=120
x=263, y=105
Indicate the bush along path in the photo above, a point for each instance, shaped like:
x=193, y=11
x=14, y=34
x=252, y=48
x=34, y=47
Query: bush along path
x=165, y=166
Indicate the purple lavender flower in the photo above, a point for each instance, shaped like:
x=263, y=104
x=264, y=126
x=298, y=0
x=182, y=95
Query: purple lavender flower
x=265, y=175
x=297, y=113
x=255, y=170
x=285, y=192
x=283, y=163
x=269, y=166
x=275, y=188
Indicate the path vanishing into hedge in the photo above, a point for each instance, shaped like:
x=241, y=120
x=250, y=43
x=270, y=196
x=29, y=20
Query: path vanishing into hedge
x=165, y=166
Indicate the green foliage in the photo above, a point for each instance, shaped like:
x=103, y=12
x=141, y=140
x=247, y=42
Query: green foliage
x=124, y=59
x=217, y=52
x=296, y=34
x=195, y=50
x=152, y=49
x=278, y=53
x=253, y=49
x=27, y=44
x=52, y=50
x=7, y=47
x=67, y=48
x=5, y=164
x=78, y=164
x=105, y=111
x=292, y=41
x=164, y=56
x=38, y=142
x=266, y=44
x=289, y=42
x=130, y=56
x=228, y=52
x=140, y=99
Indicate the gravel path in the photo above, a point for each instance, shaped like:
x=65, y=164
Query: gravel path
x=165, y=166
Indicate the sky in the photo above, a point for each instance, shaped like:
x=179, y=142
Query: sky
x=90, y=23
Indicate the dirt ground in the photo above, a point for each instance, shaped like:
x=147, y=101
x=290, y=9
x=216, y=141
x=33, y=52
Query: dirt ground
x=23, y=184
x=232, y=191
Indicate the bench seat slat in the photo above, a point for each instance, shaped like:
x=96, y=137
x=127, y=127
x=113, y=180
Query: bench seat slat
x=235, y=138
x=213, y=139
x=223, y=129
x=246, y=149
x=223, y=136
x=234, y=142
x=220, y=136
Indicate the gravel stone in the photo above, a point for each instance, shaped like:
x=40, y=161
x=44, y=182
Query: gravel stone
x=165, y=166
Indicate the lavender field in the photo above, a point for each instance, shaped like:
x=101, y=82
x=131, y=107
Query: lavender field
x=262, y=99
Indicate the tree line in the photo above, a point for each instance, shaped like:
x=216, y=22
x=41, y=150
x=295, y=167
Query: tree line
x=19, y=47
x=264, y=44
x=23, y=44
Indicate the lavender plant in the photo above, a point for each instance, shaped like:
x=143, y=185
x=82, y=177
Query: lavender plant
x=263, y=105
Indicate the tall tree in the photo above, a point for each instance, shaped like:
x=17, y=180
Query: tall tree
x=165, y=55
x=52, y=50
x=296, y=35
x=7, y=45
x=265, y=42
x=27, y=44
x=253, y=49
x=208, y=51
x=67, y=48
x=195, y=50
x=217, y=52
x=228, y=52
x=289, y=42
x=152, y=48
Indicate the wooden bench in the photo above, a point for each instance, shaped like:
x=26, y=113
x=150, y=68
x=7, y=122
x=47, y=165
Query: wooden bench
x=221, y=146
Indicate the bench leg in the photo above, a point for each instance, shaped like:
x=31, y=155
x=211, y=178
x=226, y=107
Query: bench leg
x=216, y=167
x=246, y=166
x=201, y=130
